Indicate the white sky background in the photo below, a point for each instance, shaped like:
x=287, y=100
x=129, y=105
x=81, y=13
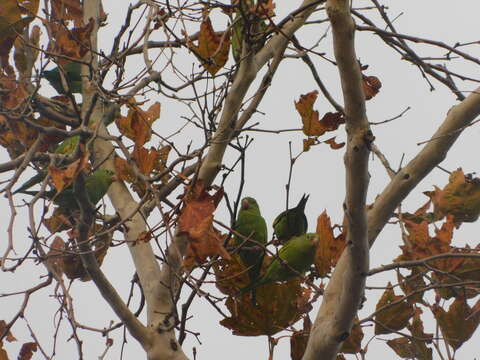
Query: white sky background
x=319, y=172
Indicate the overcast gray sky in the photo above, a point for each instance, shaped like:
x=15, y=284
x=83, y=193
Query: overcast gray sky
x=319, y=172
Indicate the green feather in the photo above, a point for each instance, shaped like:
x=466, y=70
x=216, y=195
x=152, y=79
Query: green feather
x=294, y=259
x=255, y=30
x=96, y=186
x=72, y=74
x=291, y=222
x=36, y=179
x=251, y=225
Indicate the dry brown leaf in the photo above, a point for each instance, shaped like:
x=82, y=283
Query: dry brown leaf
x=395, y=317
x=299, y=339
x=312, y=125
x=137, y=125
x=27, y=350
x=330, y=247
x=371, y=86
x=278, y=306
x=334, y=145
x=196, y=222
x=64, y=177
x=458, y=323
x=212, y=49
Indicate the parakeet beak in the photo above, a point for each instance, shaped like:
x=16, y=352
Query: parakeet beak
x=245, y=204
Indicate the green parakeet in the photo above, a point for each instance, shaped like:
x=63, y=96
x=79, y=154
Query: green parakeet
x=96, y=186
x=256, y=29
x=294, y=259
x=291, y=222
x=251, y=225
x=72, y=74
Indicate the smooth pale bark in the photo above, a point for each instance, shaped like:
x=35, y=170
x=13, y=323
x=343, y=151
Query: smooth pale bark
x=345, y=289
x=157, y=338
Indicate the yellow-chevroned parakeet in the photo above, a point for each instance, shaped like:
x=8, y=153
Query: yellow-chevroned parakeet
x=291, y=222
x=251, y=225
x=96, y=186
x=249, y=26
x=297, y=256
x=72, y=75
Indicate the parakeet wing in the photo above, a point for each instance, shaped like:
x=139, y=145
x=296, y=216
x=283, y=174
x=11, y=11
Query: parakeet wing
x=291, y=222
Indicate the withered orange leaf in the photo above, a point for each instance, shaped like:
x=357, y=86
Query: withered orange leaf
x=137, y=125
x=212, y=49
x=392, y=318
x=146, y=160
x=371, y=86
x=334, y=145
x=422, y=245
x=73, y=43
x=62, y=178
x=196, y=221
x=458, y=323
x=329, y=248
x=312, y=125
x=124, y=170
x=11, y=24
x=308, y=143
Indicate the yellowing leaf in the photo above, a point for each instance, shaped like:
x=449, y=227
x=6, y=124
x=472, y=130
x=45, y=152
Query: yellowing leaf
x=460, y=198
x=279, y=305
x=212, y=49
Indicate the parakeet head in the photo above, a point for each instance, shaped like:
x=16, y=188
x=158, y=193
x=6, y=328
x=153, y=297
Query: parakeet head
x=105, y=175
x=248, y=203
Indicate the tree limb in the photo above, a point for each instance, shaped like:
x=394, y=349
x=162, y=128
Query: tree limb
x=344, y=293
